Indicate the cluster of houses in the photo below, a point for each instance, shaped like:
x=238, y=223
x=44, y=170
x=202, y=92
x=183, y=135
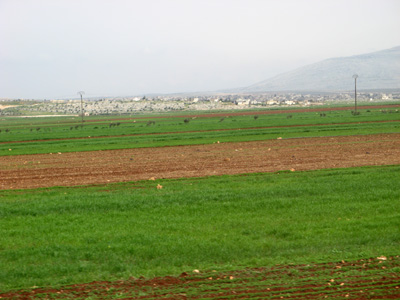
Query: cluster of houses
x=129, y=105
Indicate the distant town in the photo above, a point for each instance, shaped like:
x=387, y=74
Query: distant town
x=144, y=104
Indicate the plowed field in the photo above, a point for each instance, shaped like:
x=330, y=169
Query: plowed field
x=375, y=278
x=99, y=167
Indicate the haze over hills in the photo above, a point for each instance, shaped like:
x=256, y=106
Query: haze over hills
x=377, y=70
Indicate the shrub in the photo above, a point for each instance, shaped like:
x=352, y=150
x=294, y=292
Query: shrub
x=149, y=123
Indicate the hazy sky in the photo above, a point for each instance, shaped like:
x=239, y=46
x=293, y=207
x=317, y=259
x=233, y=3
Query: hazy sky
x=55, y=48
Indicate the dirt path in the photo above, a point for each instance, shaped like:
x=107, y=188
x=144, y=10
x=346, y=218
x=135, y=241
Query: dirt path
x=99, y=167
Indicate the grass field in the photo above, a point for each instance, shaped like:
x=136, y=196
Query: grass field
x=57, y=236
x=43, y=135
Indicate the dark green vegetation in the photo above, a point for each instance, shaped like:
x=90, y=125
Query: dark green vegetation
x=49, y=135
x=58, y=236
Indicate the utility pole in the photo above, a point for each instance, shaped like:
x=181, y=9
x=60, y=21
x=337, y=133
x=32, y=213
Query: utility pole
x=81, y=93
x=355, y=76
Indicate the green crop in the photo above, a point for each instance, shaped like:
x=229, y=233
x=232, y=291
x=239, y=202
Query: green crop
x=58, y=236
x=49, y=135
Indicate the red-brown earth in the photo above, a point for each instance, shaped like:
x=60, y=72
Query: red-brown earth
x=375, y=278
x=300, y=282
x=100, y=167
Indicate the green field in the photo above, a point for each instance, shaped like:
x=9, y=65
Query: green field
x=100, y=133
x=67, y=235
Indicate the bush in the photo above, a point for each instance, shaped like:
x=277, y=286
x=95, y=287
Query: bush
x=149, y=123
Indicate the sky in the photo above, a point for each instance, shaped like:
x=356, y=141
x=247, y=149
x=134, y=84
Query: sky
x=51, y=49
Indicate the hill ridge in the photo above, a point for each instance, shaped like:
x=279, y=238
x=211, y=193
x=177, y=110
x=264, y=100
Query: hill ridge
x=376, y=70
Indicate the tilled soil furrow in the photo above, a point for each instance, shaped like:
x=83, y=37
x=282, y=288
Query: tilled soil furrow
x=102, y=167
x=314, y=282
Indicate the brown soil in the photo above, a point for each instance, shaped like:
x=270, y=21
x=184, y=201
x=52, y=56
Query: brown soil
x=100, y=167
x=374, y=278
x=296, y=282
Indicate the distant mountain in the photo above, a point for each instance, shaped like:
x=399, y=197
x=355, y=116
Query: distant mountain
x=377, y=70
